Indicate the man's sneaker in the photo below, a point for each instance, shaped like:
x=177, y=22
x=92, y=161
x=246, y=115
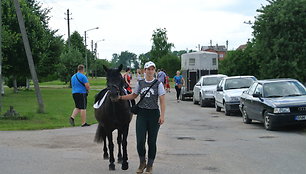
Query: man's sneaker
x=85, y=124
x=71, y=121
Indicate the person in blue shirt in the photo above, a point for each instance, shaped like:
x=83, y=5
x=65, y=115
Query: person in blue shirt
x=80, y=88
x=178, y=82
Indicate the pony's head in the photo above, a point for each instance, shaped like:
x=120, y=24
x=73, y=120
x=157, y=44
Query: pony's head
x=115, y=81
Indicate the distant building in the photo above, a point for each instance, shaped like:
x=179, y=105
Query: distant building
x=219, y=49
x=242, y=47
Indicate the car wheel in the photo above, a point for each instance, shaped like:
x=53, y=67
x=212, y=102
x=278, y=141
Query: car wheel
x=194, y=100
x=202, y=102
x=183, y=98
x=245, y=117
x=227, y=112
x=218, y=109
x=267, y=122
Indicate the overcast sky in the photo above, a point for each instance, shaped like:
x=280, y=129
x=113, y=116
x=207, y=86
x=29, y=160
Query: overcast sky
x=127, y=25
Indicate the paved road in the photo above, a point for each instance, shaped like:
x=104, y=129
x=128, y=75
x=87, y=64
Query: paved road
x=193, y=140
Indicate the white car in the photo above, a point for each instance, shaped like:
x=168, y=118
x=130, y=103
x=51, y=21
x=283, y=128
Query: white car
x=205, y=88
x=229, y=91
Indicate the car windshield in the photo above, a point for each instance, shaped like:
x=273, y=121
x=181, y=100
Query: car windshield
x=238, y=83
x=211, y=80
x=284, y=89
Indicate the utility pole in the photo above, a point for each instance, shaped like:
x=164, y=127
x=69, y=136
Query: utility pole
x=68, y=22
x=92, y=70
x=41, y=108
x=86, y=68
x=1, y=83
x=86, y=62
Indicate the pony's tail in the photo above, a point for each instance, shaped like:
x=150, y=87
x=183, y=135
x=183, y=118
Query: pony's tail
x=100, y=134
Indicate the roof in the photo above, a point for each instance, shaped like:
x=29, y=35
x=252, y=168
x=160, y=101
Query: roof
x=199, y=52
x=235, y=77
x=215, y=75
x=216, y=48
x=242, y=47
x=276, y=80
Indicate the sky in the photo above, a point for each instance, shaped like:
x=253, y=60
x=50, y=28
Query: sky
x=128, y=25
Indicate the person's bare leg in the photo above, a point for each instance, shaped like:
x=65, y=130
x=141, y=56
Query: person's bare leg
x=83, y=116
x=75, y=112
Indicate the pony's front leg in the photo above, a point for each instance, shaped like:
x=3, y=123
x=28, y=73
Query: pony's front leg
x=119, y=141
x=125, y=164
x=111, y=151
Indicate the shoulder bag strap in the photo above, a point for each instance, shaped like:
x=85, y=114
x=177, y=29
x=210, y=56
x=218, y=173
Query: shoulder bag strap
x=76, y=75
x=142, y=97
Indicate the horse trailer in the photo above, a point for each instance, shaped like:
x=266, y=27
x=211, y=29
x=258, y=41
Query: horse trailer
x=193, y=66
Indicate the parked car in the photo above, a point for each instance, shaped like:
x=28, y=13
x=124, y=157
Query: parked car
x=229, y=91
x=205, y=88
x=275, y=102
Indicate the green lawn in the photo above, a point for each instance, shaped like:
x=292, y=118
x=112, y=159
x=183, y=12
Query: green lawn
x=58, y=106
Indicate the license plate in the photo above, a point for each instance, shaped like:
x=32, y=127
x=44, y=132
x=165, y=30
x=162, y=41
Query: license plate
x=300, y=117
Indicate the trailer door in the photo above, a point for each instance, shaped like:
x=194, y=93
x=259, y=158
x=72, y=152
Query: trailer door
x=192, y=80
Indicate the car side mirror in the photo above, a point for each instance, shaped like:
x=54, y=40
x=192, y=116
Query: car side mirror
x=219, y=88
x=198, y=84
x=257, y=95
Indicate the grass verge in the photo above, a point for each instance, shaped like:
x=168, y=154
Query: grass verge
x=58, y=103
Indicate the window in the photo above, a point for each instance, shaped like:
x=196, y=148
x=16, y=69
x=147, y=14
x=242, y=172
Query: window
x=258, y=89
x=214, y=61
x=252, y=88
x=221, y=55
x=192, y=62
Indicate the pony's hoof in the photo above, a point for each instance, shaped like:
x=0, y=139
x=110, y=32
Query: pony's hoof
x=112, y=167
x=105, y=156
x=125, y=166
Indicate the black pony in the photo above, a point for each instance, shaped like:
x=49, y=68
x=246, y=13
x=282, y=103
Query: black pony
x=114, y=114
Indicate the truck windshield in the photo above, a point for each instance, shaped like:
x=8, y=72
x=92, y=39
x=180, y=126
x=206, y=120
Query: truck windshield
x=211, y=80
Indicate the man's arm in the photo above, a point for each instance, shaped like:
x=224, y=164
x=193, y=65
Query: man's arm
x=87, y=86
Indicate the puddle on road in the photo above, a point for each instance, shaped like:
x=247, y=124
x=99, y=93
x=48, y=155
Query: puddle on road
x=267, y=136
x=186, y=154
x=211, y=169
x=185, y=138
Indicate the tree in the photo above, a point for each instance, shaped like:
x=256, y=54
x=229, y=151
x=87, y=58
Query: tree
x=160, y=46
x=76, y=41
x=170, y=63
x=179, y=53
x=240, y=62
x=100, y=69
x=126, y=58
x=114, y=60
x=280, y=39
x=45, y=46
x=143, y=58
x=69, y=62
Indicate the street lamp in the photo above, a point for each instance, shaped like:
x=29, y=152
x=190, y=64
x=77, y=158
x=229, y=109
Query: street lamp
x=95, y=53
x=86, y=63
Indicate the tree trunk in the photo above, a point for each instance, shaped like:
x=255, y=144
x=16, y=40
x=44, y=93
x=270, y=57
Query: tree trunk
x=27, y=83
x=15, y=85
x=2, y=86
x=41, y=108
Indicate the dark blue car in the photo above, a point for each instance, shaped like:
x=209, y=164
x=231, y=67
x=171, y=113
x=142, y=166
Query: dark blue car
x=275, y=102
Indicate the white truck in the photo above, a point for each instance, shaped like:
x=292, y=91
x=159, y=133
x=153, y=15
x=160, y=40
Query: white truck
x=193, y=66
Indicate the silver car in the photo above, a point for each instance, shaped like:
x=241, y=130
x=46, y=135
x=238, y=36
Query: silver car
x=205, y=88
x=229, y=91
